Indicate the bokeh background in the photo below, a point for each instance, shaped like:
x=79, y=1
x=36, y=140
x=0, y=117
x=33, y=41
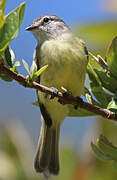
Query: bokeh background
x=96, y=23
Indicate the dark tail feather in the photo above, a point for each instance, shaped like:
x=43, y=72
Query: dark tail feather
x=54, y=159
x=44, y=149
x=47, y=156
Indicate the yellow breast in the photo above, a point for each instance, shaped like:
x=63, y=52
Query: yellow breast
x=67, y=63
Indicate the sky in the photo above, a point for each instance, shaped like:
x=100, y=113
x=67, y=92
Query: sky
x=15, y=101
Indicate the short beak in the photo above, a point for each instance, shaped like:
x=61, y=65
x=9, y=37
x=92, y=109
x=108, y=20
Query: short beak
x=31, y=27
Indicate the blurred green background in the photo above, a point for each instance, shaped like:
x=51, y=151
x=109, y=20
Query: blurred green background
x=96, y=23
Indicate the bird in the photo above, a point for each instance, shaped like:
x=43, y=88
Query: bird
x=67, y=57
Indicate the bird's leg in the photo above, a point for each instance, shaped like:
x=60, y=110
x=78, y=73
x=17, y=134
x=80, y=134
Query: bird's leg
x=55, y=92
x=66, y=93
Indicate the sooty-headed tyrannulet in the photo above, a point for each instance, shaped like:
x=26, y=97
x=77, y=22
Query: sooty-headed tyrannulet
x=67, y=57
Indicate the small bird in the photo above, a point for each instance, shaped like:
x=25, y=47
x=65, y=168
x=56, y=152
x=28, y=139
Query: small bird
x=67, y=58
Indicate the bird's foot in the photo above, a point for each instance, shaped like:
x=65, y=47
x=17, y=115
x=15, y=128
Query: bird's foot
x=66, y=93
x=54, y=92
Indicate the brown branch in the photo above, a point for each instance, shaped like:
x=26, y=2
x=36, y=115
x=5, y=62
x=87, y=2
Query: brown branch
x=68, y=99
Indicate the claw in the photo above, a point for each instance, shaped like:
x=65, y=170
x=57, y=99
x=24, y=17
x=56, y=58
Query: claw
x=55, y=92
x=66, y=92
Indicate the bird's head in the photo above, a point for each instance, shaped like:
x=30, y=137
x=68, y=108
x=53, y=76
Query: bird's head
x=48, y=27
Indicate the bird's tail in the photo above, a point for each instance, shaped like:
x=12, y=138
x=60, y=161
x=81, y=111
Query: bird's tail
x=47, y=156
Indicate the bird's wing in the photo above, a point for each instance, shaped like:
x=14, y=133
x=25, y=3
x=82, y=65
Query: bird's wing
x=44, y=112
x=36, y=59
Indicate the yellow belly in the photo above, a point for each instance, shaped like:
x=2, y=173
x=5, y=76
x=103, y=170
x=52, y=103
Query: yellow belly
x=67, y=68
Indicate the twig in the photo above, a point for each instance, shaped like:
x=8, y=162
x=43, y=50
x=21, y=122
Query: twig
x=101, y=61
x=69, y=99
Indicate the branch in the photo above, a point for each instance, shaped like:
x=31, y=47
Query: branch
x=69, y=99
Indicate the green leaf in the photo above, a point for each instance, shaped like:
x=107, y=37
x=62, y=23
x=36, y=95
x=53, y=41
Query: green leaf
x=104, y=139
x=17, y=63
x=9, y=56
x=88, y=97
x=108, y=82
x=99, y=81
x=36, y=74
x=94, y=79
x=2, y=18
x=9, y=59
x=100, y=155
x=26, y=66
x=101, y=96
x=78, y=112
x=33, y=69
x=112, y=105
x=2, y=7
x=13, y=69
x=107, y=147
x=111, y=56
x=2, y=58
x=11, y=26
x=5, y=78
x=36, y=104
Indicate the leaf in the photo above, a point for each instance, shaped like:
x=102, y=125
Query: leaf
x=2, y=7
x=104, y=139
x=13, y=69
x=9, y=56
x=101, y=96
x=107, y=81
x=17, y=63
x=11, y=26
x=88, y=97
x=2, y=18
x=111, y=56
x=36, y=104
x=26, y=66
x=100, y=155
x=6, y=78
x=33, y=68
x=98, y=80
x=94, y=80
x=1, y=58
x=78, y=112
x=9, y=59
x=107, y=147
x=36, y=74
x=112, y=106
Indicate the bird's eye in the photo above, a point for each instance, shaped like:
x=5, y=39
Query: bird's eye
x=46, y=19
